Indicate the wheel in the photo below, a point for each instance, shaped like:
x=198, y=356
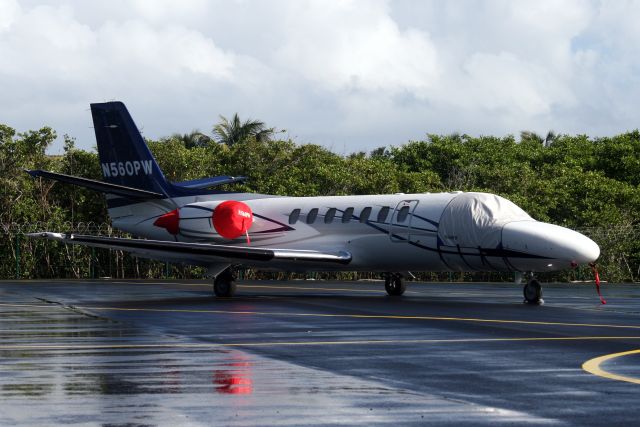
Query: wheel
x=532, y=292
x=394, y=285
x=224, y=285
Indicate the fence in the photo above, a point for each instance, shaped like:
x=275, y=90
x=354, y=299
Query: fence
x=27, y=258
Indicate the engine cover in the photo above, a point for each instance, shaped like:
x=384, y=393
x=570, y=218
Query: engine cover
x=232, y=219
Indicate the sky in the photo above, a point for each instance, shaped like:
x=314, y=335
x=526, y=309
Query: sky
x=347, y=74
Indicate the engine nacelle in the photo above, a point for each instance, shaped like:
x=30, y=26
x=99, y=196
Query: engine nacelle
x=229, y=218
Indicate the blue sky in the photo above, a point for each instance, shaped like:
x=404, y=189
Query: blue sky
x=350, y=75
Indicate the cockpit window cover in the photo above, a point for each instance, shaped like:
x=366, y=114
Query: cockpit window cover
x=476, y=219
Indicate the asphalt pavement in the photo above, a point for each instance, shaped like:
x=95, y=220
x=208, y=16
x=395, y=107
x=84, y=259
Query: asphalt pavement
x=115, y=352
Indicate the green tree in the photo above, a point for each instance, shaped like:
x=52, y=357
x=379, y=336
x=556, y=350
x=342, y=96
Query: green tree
x=591, y=184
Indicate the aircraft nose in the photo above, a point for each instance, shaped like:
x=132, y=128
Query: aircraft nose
x=549, y=240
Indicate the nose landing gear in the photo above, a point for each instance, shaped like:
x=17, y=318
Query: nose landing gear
x=394, y=284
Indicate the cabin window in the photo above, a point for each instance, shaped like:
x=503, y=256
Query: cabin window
x=403, y=213
x=383, y=214
x=347, y=214
x=328, y=217
x=365, y=214
x=311, y=216
x=293, y=216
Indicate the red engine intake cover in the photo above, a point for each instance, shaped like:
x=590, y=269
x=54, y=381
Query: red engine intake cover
x=232, y=219
x=170, y=221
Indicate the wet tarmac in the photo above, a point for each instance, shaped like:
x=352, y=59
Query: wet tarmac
x=320, y=353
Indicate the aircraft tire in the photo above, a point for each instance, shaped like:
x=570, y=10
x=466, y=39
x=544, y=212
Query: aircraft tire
x=532, y=292
x=394, y=285
x=224, y=285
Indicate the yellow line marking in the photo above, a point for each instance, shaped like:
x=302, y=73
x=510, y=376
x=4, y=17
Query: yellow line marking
x=303, y=343
x=593, y=367
x=360, y=316
x=354, y=316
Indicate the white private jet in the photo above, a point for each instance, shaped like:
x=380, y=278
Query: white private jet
x=192, y=222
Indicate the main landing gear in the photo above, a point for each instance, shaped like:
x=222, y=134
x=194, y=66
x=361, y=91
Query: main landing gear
x=224, y=284
x=533, y=292
x=394, y=284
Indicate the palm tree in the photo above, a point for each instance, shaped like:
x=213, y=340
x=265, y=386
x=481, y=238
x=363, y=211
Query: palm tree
x=550, y=139
x=232, y=131
x=528, y=135
x=193, y=139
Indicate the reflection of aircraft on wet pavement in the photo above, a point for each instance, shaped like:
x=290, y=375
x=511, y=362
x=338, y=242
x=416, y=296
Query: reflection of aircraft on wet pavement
x=195, y=223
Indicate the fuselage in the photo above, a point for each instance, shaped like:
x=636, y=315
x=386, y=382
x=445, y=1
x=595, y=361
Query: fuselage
x=398, y=232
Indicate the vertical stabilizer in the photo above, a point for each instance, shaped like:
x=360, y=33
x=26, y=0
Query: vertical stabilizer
x=125, y=158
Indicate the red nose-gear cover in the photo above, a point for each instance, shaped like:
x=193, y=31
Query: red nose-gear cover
x=170, y=221
x=597, y=280
x=232, y=219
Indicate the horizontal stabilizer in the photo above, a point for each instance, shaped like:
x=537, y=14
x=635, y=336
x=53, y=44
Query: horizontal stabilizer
x=210, y=182
x=200, y=251
x=92, y=184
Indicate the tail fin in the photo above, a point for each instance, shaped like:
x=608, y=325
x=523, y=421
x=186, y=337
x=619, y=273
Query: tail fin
x=124, y=156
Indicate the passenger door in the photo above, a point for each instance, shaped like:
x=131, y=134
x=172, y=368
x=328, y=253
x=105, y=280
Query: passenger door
x=400, y=225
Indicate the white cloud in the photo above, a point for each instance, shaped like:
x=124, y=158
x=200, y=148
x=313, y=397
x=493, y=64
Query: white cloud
x=351, y=74
x=163, y=11
x=134, y=47
x=356, y=45
x=504, y=83
x=9, y=10
x=45, y=43
x=54, y=65
x=616, y=26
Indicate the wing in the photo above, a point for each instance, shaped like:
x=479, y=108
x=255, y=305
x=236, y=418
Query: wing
x=201, y=252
